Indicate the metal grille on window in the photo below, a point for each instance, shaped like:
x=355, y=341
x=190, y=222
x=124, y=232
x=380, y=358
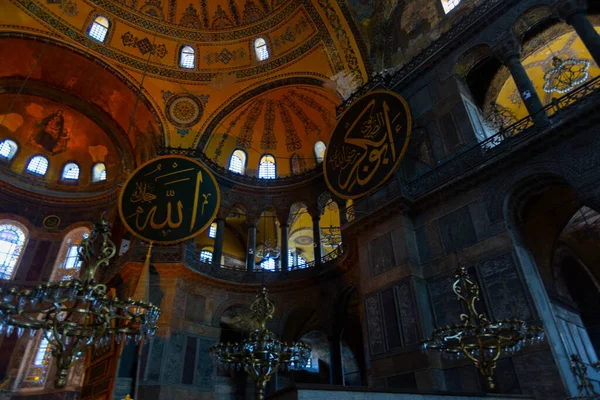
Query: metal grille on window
x=99, y=29
x=38, y=165
x=237, y=162
x=99, y=172
x=188, y=57
x=12, y=240
x=268, y=264
x=206, y=256
x=8, y=148
x=262, y=51
x=212, y=231
x=266, y=169
x=71, y=172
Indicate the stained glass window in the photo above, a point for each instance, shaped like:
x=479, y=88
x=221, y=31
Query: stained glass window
x=8, y=148
x=261, y=49
x=99, y=28
x=38, y=165
x=449, y=5
x=206, y=256
x=70, y=172
x=237, y=162
x=266, y=168
x=12, y=241
x=187, y=57
x=99, y=172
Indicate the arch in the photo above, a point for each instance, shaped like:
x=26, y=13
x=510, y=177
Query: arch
x=38, y=165
x=237, y=161
x=212, y=230
x=187, y=57
x=238, y=303
x=297, y=164
x=206, y=256
x=8, y=149
x=67, y=261
x=320, y=151
x=13, y=238
x=98, y=29
x=261, y=49
x=99, y=172
x=267, y=168
x=70, y=172
x=531, y=19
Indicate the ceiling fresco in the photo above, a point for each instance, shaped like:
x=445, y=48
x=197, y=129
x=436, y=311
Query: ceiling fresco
x=567, y=45
x=58, y=132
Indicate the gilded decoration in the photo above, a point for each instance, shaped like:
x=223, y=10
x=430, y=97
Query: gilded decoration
x=184, y=111
x=144, y=45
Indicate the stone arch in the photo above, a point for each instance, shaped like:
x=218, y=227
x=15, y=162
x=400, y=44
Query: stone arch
x=470, y=58
x=298, y=320
x=226, y=305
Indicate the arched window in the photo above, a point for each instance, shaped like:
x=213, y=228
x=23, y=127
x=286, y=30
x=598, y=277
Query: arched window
x=68, y=263
x=8, y=148
x=320, y=151
x=261, y=49
x=268, y=264
x=99, y=28
x=70, y=172
x=38, y=165
x=99, y=172
x=266, y=168
x=206, y=256
x=297, y=164
x=12, y=242
x=237, y=162
x=212, y=230
x=187, y=57
x=449, y=5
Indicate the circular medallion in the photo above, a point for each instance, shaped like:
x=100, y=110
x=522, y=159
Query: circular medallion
x=169, y=199
x=367, y=144
x=303, y=240
x=184, y=111
x=51, y=221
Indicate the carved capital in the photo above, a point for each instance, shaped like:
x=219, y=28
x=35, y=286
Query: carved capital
x=566, y=9
x=507, y=48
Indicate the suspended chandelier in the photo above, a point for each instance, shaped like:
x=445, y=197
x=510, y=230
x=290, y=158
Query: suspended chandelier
x=261, y=354
x=565, y=75
x=269, y=249
x=478, y=339
x=77, y=313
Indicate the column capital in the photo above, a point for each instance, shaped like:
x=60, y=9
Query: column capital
x=566, y=9
x=506, y=48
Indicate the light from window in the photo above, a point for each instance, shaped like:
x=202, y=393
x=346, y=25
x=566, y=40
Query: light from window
x=320, y=151
x=38, y=165
x=42, y=354
x=266, y=169
x=449, y=5
x=72, y=260
x=99, y=28
x=268, y=264
x=261, y=49
x=237, y=162
x=301, y=262
x=290, y=258
x=187, y=58
x=212, y=231
x=70, y=172
x=99, y=172
x=206, y=256
x=8, y=148
x=12, y=240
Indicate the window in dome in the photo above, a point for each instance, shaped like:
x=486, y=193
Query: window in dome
x=99, y=172
x=212, y=231
x=237, y=162
x=187, y=57
x=320, y=151
x=449, y=5
x=12, y=242
x=8, y=148
x=70, y=172
x=99, y=28
x=268, y=264
x=206, y=256
x=266, y=168
x=38, y=165
x=261, y=49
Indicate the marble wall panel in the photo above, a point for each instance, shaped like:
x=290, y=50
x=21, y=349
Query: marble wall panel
x=381, y=254
x=374, y=324
x=174, y=358
x=408, y=314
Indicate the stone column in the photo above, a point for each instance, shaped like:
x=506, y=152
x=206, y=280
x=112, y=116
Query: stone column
x=573, y=12
x=251, y=247
x=336, y=371
x=508, y=51
x=284, y=247
x=316, y=220
x=537, y=291
x=218, y=247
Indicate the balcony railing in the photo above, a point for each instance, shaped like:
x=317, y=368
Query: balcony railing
x=468, y=160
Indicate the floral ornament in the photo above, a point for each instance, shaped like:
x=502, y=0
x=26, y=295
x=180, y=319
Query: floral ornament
x=565, y=75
